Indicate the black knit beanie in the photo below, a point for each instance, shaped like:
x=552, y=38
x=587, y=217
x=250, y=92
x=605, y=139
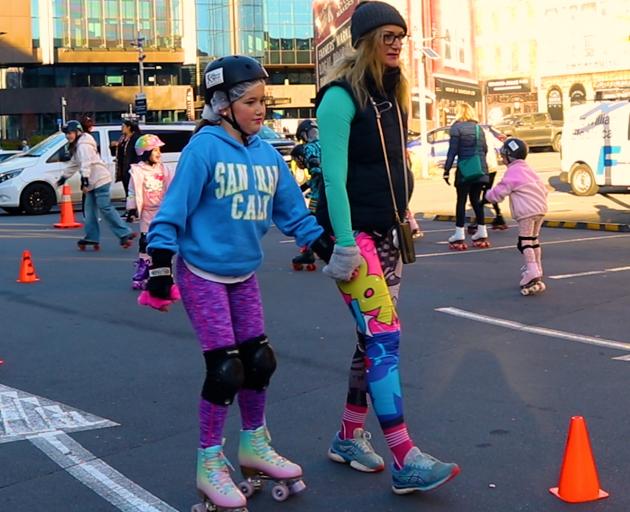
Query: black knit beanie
x=372, y=14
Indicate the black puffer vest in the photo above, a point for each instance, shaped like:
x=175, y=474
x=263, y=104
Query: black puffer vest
x=368, y=188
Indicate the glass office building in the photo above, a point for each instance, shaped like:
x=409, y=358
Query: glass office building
x=82, y=24
x=280, y=32
x=277, y=32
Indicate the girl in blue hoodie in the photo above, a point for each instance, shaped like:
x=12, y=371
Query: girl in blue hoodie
x=229, y=186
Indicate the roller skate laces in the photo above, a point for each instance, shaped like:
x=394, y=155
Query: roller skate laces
x=259, y=462
x=421, y=472
x=214, y=482
x=357, y=452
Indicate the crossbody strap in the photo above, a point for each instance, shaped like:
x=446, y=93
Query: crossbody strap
x=403, y=153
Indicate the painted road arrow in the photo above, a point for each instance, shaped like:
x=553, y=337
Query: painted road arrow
x=45, y=425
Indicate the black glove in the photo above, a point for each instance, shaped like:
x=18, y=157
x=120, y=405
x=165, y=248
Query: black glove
x=131, y=215
x=323, y=247
x=85, y=183
x=160, y=273
x=61, y=181
x=446, y=178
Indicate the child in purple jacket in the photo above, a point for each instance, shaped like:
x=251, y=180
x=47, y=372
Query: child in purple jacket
x=528, y=204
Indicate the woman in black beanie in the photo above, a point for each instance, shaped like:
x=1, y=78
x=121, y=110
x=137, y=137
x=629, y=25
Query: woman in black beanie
x=362, y=115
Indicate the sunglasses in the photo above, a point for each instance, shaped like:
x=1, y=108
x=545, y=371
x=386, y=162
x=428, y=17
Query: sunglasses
x=389, y=38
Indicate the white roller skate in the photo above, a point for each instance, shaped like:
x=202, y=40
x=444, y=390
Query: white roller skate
x=216, y=488
x=531, y=280
x=480, y=238
x=457, y=242
x=260, y=462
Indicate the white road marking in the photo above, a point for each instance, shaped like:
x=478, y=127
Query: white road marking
x=473, y=250
x=98, y=476
x=589, y=273
x=45, y=423
x=542, y=331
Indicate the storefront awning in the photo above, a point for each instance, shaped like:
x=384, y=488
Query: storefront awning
x=456, y=91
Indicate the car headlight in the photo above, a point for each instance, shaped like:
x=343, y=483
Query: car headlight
x=10, y=175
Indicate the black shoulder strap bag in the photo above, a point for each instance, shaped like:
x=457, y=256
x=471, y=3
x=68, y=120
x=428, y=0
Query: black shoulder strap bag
x=402, y=228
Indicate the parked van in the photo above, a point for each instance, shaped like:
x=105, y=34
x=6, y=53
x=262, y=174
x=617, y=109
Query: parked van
x=27, y=180
x=596, y=146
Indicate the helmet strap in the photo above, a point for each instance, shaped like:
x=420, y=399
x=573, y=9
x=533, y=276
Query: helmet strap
x=234, y=124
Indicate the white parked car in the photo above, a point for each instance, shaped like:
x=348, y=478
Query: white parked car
x=27, y=180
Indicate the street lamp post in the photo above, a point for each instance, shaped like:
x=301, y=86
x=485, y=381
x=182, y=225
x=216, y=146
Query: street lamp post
x=141, y=101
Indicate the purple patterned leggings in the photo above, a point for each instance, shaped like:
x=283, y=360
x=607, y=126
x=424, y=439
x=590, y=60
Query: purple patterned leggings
x=223, y=315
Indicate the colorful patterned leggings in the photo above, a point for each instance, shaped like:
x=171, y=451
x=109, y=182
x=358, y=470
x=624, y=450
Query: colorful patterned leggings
x=223, y=316
x=372, y=298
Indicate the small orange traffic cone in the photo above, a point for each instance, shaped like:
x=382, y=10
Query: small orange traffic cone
x=27, y=270
x=579, y=482
x=67, y=213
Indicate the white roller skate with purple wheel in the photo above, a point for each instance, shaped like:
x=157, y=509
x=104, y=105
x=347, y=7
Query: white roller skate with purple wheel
x=140, y=275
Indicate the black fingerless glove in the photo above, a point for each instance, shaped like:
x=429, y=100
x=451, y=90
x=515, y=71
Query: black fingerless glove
x=131, y=215
x=61, y=181
x=85, y=183
x=160, y=273
x=323, y=247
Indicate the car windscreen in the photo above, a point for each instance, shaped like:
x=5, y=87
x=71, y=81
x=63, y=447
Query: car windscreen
x=267, y=133
x=44, y=146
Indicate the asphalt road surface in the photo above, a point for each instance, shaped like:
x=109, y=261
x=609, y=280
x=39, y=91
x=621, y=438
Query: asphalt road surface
x=98, y=396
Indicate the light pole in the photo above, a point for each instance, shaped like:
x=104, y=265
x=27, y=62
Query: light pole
x=64, y=104
x=421, y=52
x=141, y=99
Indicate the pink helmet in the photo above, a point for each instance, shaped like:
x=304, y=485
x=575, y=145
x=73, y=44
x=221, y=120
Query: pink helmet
x=147, y=143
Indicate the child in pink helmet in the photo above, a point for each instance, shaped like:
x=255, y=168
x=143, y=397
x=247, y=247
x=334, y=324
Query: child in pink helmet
x=148, y=182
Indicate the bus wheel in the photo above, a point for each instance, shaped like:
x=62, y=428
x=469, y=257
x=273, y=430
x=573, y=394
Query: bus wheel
x=582, y=181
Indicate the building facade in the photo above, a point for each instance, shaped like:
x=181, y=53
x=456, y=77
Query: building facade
x=82, y=53
x=585, y=46
x=277, y=32
x=507, y=58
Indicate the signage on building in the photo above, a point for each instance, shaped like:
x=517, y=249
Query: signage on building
x=456, y=91
x=332, y=33
x=190, y=104
x=509, y=85
x=141, y=104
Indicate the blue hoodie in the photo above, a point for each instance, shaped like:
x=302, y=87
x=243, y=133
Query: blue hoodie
x=222, y=201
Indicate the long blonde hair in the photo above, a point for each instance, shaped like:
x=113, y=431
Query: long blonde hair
x=464, y=112
x=356, y=66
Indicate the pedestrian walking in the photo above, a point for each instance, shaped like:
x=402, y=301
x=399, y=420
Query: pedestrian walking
x=229, y=187
x=126, y=154
x=95, y=185
x=528, y=206
x=363, y=132
x=149, y=180
x=467, y=143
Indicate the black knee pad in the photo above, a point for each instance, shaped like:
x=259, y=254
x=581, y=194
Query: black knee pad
x=142, y=243
x=522, y=247
x=224, y=375
x=259, y=363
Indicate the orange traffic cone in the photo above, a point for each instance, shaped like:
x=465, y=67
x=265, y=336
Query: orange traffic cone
x=67, y=213
x=27, y=270
x=578, y=477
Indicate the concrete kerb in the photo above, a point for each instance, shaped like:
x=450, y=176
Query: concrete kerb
x=564, y=224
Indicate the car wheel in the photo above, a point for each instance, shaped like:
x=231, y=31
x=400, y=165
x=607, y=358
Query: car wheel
x=37, y=199
x=582, y=181
x=12, y=211
x=556, y=145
